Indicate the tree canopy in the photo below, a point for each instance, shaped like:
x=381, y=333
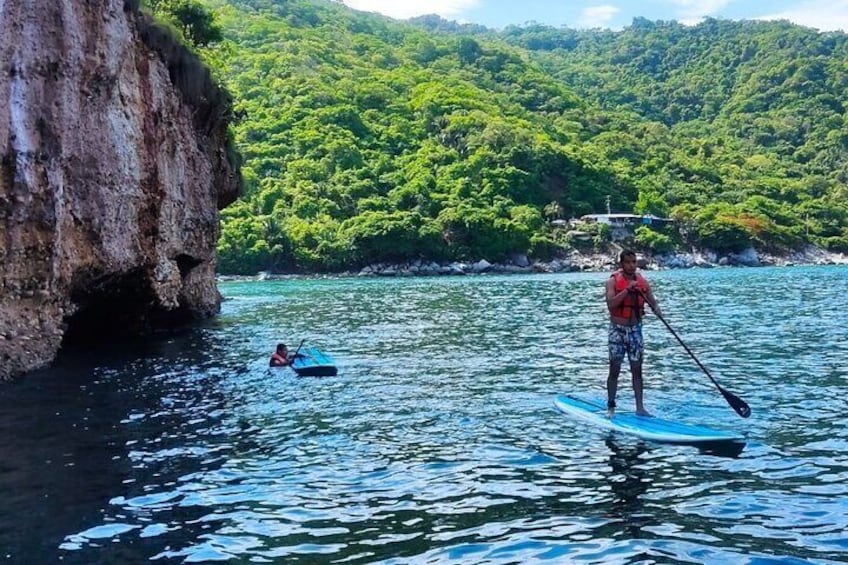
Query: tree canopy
x=366, y=139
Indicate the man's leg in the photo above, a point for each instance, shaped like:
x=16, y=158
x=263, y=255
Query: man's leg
x=636, y=371
x=617, y=348
x=635, y=354
x=612, y=386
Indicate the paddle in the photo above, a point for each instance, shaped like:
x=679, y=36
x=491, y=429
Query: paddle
x=735, y=402
x=299, y=345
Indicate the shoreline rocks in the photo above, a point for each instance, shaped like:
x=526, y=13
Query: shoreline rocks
x=575, y=262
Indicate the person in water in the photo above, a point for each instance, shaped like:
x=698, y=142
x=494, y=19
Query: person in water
x=626, y=293
x=281, y=357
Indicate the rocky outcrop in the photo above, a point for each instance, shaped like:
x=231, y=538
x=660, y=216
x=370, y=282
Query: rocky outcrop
x=114, y=162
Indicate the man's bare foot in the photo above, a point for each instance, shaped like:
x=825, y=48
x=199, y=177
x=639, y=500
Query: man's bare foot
x=610, y=413
x=643, y=412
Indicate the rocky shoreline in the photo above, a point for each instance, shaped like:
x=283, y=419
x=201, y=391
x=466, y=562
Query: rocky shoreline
x=578, y=261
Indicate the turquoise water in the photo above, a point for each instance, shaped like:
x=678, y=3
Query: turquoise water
x=438, y=441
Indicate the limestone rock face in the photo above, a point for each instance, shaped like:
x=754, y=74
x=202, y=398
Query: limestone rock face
x=111, y=178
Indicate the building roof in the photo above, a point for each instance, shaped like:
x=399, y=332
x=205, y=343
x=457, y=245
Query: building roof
x=626, y=217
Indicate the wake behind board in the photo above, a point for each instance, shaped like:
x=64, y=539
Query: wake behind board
x=645, y=427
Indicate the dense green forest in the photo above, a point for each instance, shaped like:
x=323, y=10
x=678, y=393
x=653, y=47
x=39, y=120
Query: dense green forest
x=366, y=139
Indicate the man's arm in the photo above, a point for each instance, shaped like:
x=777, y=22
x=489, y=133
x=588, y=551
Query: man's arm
x=614, y=300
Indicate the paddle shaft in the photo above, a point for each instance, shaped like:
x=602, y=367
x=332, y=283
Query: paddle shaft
x=686, y=347
x=298, y=349
x=740, y=406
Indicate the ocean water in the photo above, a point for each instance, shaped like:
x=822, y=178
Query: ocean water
x=438, y=441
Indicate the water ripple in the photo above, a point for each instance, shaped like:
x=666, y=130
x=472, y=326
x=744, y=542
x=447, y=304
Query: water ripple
x=437, y=442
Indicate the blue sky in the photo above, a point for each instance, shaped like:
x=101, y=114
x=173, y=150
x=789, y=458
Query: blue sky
x=826, y=15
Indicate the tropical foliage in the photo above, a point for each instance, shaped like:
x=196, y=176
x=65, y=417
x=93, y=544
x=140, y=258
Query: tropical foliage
x=365, y=139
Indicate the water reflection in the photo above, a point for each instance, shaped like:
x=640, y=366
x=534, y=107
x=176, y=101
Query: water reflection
x=729, y=449
x=629, y=480
x=61, y=454
x=95, y=424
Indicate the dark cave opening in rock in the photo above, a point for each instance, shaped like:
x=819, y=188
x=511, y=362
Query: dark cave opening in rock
x=110, y=308
x=122, y=307
x=185, y=263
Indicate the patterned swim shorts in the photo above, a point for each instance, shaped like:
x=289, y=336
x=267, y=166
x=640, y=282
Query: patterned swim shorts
x=626, y=339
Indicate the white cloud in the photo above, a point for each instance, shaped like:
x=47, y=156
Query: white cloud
x=597, y=16
x=402, y=9
x=690, y=12
x=829, y=15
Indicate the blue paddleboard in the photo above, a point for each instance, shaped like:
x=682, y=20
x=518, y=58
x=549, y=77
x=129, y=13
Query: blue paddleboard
x=311, y=362
x=645, y=427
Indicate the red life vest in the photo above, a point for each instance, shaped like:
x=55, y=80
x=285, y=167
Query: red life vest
x=633, y=305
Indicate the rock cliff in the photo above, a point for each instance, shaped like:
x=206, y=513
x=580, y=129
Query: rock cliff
x=114, y=162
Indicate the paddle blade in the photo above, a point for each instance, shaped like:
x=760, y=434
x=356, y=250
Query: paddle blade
x=736, y=403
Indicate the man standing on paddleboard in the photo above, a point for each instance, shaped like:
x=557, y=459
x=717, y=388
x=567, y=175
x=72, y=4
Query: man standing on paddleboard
x=626, y=294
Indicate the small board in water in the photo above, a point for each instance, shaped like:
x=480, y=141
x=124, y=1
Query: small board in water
x=645, y=427
x=311, y=362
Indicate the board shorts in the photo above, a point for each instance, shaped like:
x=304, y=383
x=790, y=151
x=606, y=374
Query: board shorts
x=626, y=339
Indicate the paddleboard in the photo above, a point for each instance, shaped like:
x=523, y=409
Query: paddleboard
x=312, y=362
x=645, y=427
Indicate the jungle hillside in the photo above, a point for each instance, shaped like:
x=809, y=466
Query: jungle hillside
x=366, y=139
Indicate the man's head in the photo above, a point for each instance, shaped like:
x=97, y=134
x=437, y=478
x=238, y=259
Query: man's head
x=282, y=349
x=627, y=260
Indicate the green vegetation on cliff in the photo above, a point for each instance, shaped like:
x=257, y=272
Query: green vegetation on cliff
x=366, y=139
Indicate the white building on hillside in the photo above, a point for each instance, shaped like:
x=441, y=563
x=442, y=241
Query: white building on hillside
x=623, y=224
